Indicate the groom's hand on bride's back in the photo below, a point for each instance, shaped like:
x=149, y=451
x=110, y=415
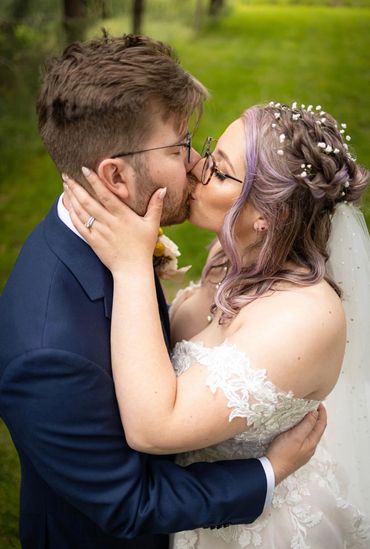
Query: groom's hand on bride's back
x=294, y=448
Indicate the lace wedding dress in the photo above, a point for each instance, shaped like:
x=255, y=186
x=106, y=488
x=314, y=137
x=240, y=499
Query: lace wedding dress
x=309, y=509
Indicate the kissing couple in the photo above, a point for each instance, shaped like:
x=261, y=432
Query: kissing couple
x=130, y=423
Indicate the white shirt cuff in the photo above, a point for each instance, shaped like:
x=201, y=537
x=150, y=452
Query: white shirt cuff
x=270, y=477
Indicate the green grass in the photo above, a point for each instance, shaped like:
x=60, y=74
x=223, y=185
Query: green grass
x=254, y=54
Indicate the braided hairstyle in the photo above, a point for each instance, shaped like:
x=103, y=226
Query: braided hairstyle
x=298, y=169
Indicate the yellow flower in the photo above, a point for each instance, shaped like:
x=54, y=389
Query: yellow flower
x=159, y=249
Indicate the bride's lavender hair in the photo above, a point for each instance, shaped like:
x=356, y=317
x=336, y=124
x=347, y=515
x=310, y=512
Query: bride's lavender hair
x=295, y=184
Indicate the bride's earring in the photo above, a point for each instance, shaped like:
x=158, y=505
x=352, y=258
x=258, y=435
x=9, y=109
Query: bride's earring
x=260, y=226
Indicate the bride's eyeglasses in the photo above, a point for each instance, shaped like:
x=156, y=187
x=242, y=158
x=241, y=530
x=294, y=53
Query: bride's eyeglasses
x=186, y=144
x=210, y=165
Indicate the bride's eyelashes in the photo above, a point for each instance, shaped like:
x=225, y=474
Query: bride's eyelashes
x=220, y=175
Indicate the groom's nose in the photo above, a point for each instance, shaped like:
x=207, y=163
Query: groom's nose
x=194, y=159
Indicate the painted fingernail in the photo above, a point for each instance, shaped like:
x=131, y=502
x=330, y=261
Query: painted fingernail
x=162, y=193
x=86, y=171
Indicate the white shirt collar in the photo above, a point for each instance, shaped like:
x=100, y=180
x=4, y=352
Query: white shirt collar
x=64, y=216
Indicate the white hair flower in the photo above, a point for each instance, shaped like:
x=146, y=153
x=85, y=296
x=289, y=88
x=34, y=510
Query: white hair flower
x=294, y=105
x=303, y=174
x=282, y=137
x=348, y=138
x=318, y=107
x=296, y=116
x=280, y=152
x=321, y=145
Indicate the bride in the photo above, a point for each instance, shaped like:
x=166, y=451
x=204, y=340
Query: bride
x=260, y=341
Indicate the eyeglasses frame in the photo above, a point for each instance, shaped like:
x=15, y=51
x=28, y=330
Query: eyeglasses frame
x=187, y=143
x=214, y=169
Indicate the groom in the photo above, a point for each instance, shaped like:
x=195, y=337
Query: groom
x=122, y=107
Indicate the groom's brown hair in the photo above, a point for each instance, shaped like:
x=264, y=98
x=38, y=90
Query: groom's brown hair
x=98, y=98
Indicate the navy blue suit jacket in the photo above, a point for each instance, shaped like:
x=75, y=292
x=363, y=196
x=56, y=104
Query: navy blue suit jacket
x=82, y=485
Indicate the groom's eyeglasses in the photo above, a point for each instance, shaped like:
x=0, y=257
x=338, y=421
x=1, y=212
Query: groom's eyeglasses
x=210, y=165
x=186, y=144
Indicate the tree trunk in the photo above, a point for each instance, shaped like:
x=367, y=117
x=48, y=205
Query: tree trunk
x=198, y=15
x=215, y=6
x=104, y=10
x=19, y=10
x=137, y=16
x=74, y=19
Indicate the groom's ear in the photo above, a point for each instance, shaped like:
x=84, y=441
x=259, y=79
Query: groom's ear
x=117, y=175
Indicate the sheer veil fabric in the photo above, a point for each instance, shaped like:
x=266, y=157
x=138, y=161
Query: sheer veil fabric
x=347, y=436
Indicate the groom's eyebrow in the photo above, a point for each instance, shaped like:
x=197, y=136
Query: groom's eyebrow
x=226, y=158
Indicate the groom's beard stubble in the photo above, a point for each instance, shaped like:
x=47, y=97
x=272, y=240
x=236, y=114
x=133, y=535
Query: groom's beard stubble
x=174, y=211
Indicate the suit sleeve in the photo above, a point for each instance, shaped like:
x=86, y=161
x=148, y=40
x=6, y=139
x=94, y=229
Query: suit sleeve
x=62, y=412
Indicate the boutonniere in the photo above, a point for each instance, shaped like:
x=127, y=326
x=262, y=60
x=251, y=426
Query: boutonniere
x=165, y=259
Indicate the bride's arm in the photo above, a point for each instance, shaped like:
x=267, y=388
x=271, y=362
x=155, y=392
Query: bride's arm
x=160, y=413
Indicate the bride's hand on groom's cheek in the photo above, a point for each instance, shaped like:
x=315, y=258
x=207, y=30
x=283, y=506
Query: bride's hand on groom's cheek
x=118, y=236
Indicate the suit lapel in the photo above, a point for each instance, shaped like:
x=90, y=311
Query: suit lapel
x=94, y=277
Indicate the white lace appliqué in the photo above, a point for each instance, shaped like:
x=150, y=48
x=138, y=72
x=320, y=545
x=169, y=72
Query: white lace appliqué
x=309, y=509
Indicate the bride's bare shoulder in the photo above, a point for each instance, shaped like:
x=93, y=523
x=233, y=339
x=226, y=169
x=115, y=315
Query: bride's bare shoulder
x=298, y=334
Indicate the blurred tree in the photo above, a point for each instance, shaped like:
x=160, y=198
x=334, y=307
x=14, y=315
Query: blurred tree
x=74, y=19
x=104, y=9
x=19, y=9
x=137, y=15
x=198, y=14
x=215, y=6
